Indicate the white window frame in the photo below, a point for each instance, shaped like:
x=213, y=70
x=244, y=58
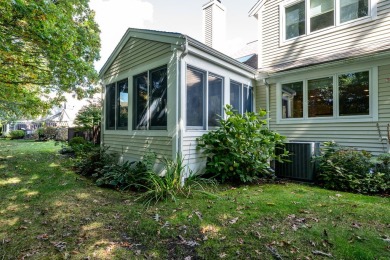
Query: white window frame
x=372, y=15
x=373, y=99
x=206, y=74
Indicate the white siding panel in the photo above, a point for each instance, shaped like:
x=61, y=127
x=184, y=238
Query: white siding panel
x=136, y=146
x=136, y=52
x=193, y=157
x=363, y=135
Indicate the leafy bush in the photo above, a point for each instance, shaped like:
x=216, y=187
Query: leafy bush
x=91, y=163
x=17, y=134
x=127, y=175
x=47, y=133
x=80, y=146
x=241, y=148
x=347, y=169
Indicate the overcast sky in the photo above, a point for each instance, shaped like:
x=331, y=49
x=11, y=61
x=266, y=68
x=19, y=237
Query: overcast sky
x=182, y=16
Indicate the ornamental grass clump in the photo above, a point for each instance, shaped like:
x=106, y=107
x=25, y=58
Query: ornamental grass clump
x=241, y=148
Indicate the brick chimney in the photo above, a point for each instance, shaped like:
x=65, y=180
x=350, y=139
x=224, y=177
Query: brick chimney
x=214, y=24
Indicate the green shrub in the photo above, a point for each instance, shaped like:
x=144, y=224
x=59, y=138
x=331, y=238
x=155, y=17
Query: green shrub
x=91, y=163
x=17, y=134
x=348, y=169
x=80, y=146
x=47, y=133
x=241, y=148
x=127, y=175
x=77, y=141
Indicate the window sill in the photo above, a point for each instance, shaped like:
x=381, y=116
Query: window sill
x=327, y=120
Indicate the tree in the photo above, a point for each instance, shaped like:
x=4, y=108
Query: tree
x=89, y=116
x=47, y=47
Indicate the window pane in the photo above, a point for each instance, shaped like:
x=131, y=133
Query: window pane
x=195, y=88
x=353, y=9
x=295, y=20
x=158, y=98
x=110, y=107
x=215, y=100
x=354, y=95
x=320, y=98
x=123, y=104
x=292, y=100
x=141, y=101
x=248, y=99
x=235, y=96
x=321, y=14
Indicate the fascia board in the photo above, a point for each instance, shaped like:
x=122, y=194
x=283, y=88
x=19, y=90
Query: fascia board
x=256, y=8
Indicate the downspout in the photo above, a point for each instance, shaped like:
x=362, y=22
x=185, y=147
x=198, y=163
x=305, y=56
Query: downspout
x=267, y=97
x=179, y=111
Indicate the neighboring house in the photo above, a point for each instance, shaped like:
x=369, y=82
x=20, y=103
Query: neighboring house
x=324, y=69
x=323, y=74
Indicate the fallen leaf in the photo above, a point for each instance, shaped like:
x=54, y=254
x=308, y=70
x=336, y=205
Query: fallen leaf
x=233, y=221
x=356, y=225
x=199, y=214
x=43, y=237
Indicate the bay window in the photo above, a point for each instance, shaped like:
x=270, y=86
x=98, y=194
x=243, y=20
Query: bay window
x=338, y=96
x=204, y=99
x=150, y=99
x=307, y=16
x=117, y=105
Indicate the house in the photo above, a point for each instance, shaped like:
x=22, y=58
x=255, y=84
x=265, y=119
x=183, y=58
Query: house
x=324, y=69
x=323, y=73
x=163, y=90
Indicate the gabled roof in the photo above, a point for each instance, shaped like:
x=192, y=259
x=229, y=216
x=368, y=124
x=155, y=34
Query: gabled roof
x=256, y=8
x=170, y=38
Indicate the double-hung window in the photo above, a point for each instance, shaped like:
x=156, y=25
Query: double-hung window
x=339, y=96
x=204, y=99
x=308, y=16
x=150, y=100
x=241, y=97
x=117, y=105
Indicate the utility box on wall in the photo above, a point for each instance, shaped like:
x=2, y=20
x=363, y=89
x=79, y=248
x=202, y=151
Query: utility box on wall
x=301, y=165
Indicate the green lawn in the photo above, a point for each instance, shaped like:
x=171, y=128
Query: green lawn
x=49, y=212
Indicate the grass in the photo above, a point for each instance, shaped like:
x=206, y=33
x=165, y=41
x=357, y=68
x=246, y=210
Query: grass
x=49, y=212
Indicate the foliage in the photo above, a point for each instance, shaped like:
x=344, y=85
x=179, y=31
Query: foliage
x=45, y=47
x=17, y=134
x=240, y=149
x=91, y=160
x=77, y=140
x=47, y=133
x=171, y=183
x=348, y=169
x=127, y=175
x=89, y=116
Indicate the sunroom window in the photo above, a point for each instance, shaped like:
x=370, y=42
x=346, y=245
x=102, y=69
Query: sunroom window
x=347, y=93
x=204, y=99
x=117, y=105
x=241, y=97
x=150, y=100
